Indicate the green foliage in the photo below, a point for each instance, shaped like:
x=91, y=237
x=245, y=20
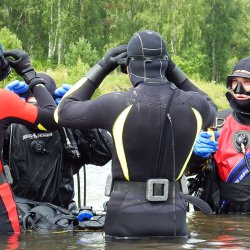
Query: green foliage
x=216, y=91
x=220, y=23
x=9, y=40
x=77, y=71
x=70, y=75
x=204, y=37
x=83, y=51
x=116, y=81
x=192, y=62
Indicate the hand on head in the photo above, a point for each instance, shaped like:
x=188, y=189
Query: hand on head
x=110, y=60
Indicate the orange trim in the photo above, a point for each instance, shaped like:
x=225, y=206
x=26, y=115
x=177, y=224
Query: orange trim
x=13, y=106
x=10, y=206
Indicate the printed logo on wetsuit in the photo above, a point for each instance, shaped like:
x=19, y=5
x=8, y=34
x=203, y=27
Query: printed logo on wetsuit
x=36, y=136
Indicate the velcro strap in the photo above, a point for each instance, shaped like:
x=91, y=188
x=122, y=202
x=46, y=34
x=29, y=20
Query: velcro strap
x=28, y=74
x=35, y=81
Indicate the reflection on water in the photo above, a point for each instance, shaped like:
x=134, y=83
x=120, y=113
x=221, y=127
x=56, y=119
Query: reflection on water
x=213, y=232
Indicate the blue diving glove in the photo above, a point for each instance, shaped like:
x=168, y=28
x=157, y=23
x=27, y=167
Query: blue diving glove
x=17, y=87
x=204, y=145
x=60, y=92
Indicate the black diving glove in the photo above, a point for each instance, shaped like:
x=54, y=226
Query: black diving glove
x=107, y=64
x=110, y=61
x=22, y=65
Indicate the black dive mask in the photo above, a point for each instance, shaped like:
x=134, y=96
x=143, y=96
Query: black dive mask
x=239, y=89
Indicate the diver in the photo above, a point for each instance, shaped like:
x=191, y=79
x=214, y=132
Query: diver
x=40, y=165
x=14, y=110
x=154, y=126
x=230, y=153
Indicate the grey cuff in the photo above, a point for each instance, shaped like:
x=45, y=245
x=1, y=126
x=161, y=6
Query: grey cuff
x=178, y=76
x=96, y=75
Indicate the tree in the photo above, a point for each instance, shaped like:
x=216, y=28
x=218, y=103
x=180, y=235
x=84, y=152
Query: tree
x=9, y=40
x=81, y=50
x=220, y=24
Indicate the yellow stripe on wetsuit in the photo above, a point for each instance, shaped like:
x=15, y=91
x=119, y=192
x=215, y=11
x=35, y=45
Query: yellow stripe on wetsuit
x=199, y=126
x=41, y=127
x=118, y=134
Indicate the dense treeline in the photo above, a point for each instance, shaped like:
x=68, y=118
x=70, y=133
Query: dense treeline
x=205, y=37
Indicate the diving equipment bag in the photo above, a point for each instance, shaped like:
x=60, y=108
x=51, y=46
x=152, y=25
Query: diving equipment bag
x=43, y=216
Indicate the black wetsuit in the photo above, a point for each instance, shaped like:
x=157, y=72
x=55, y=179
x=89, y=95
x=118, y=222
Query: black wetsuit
x=136, y=119
x=15, y=110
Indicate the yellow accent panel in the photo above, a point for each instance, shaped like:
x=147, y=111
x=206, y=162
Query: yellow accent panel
x=118, y=133
x=199, y=126
x=56, y=118
x=71, y=90
x=41, y=127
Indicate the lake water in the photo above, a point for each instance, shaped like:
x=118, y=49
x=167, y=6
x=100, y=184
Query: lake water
x=213, y=232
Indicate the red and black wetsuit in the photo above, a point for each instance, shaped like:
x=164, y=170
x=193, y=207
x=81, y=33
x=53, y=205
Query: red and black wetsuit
x=15, y=110
x=227, y=189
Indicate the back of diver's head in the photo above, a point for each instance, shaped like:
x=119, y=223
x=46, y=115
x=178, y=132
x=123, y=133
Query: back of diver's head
x=147, y=58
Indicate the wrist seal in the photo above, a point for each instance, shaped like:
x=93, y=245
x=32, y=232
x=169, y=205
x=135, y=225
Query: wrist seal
x=28, y=74
x=35, y=81
x=96, y=75
x=177, y=76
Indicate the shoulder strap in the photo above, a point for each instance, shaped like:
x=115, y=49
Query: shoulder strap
x=163, y=131
x=202, y=205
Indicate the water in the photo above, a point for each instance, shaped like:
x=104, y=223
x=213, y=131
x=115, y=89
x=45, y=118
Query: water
x=213, y=232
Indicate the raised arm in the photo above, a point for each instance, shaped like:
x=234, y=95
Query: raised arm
x=44, y=120
x=84, y=89
x=180, y=79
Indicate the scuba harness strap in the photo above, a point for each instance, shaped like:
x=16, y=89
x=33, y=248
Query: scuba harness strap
x=72, y=149
x=199, y=203
x=162, y=135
